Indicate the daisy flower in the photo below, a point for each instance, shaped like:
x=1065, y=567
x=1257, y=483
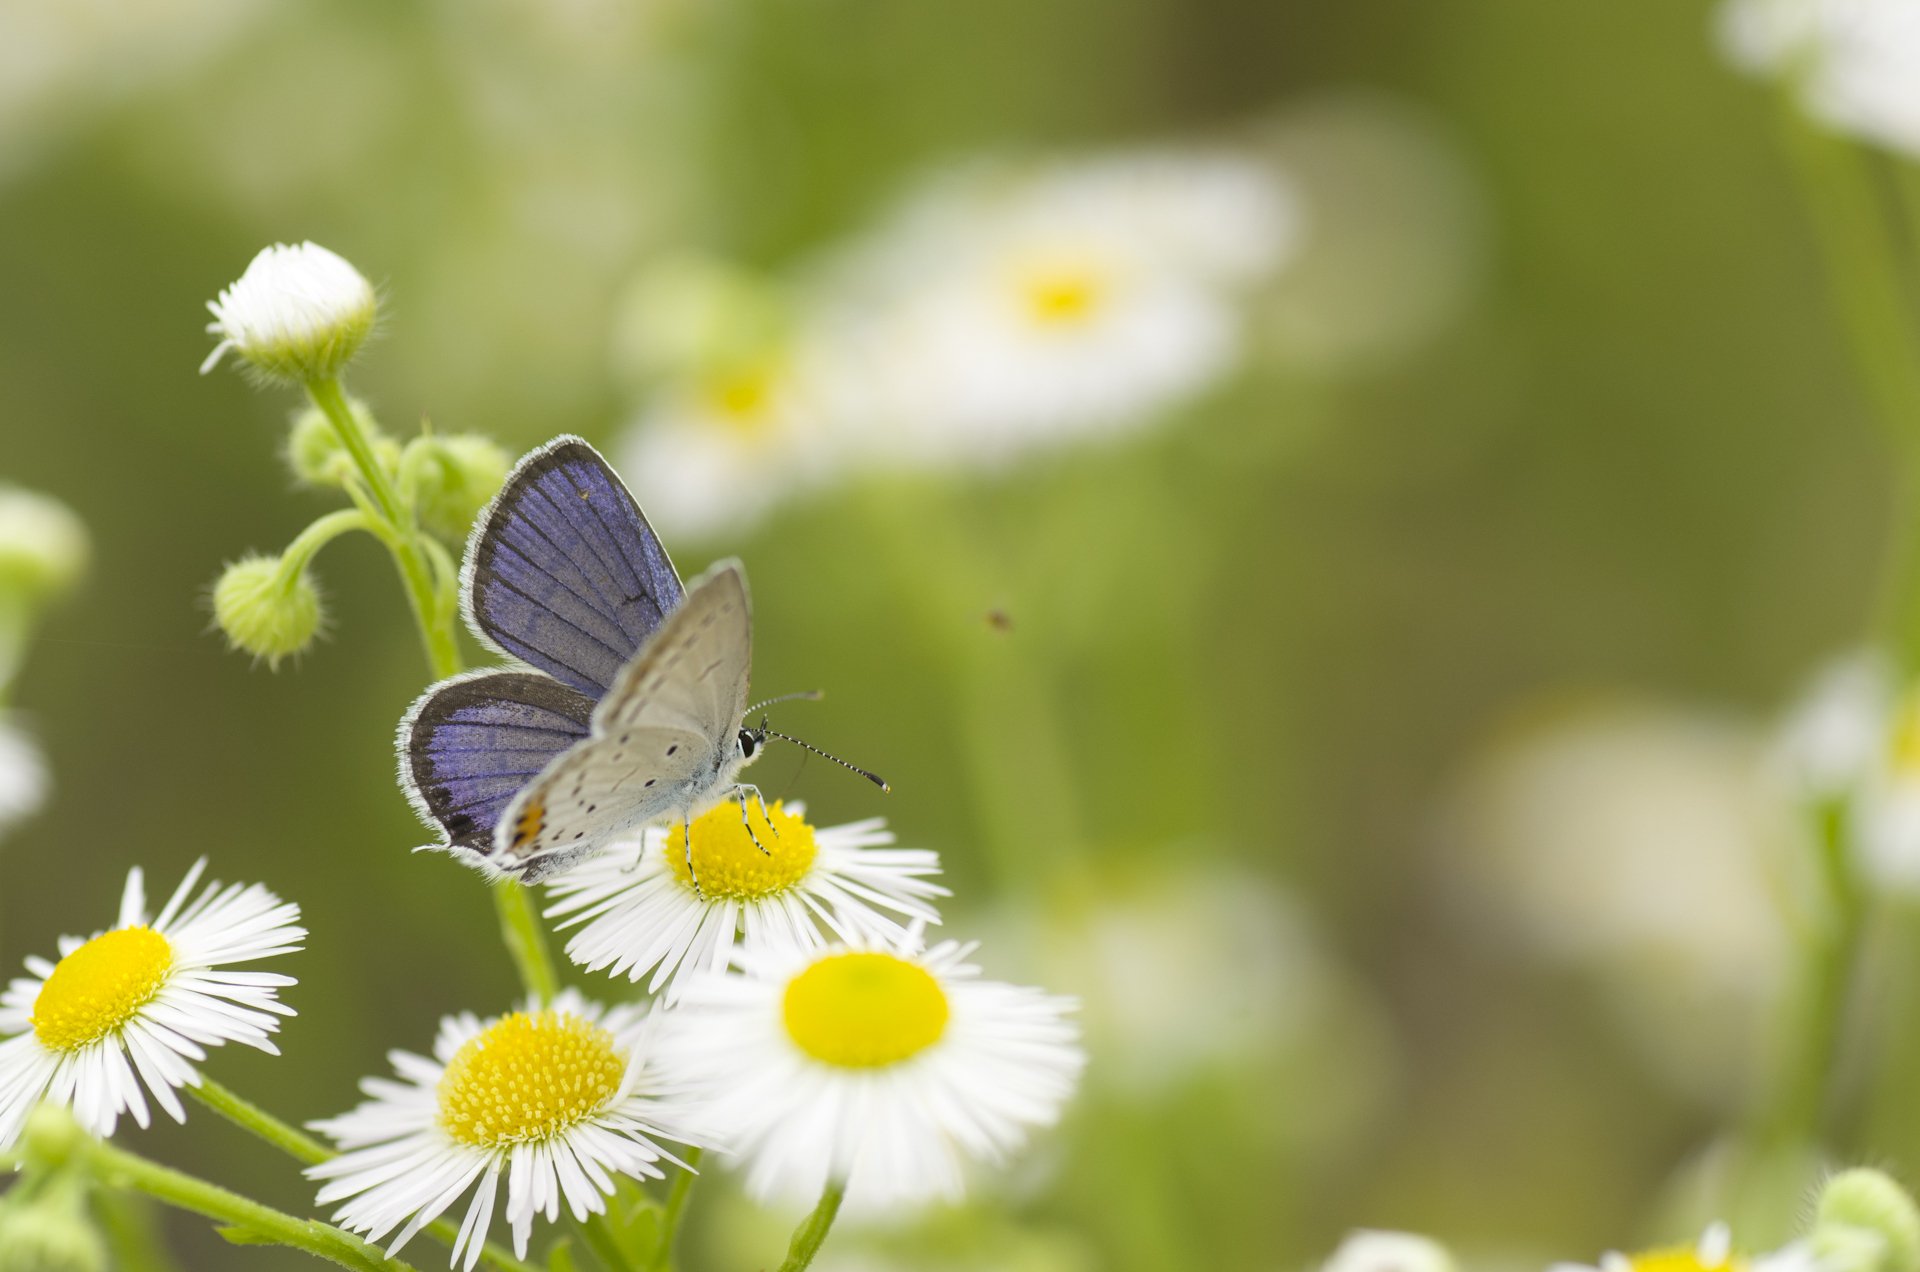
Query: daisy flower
x=874, y=1066
x=298, y=313
x=559, y=1100
x=23, y=776
x=139, y=1004
x=1855, y=63
x=1372, y=1250
x=1714, y=1252
x=639, y=911
x=1004, y=309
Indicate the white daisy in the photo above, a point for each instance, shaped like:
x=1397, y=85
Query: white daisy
x=1714, y=1252
x=881, y=1068
x=138, y=1004
x=558, y=1099
x=642, y=913
x=1855, y=63
x=1004, y=309
x=298, y=313
x=23, y=776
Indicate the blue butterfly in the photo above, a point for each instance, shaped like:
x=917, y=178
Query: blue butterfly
x=636, y=705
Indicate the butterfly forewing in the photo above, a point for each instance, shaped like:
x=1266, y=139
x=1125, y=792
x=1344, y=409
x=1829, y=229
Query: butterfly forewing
x=663, y=739
x=470, y=744
x=563, y=571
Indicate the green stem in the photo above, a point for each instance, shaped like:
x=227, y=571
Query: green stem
x=526, y=940
x=670, y=1218
x=131, y=1234
x=250, y=1117
x=117, y=1168
x=1796, y=1113
x=322, y=532
x=435, y=622
x=599, y=1237
x=813, y=1229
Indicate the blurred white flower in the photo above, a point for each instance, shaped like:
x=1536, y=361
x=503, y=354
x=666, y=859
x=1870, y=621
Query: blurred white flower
x=146, y=998
x=556, y=1099
x=23, y=776
x=43, y=545
x=1369, y=1250
x=298, y=313
x=1004, y=307
x=1714, y=1252
x=1855, y=63
x=882, y=1068
x=1645, y=844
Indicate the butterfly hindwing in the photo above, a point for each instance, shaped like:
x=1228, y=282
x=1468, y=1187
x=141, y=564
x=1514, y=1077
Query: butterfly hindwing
x=664, y=739
x=563, y=572
x=469, y=745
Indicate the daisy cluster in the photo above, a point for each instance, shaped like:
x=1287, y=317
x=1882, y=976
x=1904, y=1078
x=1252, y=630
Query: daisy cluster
x=998, y=309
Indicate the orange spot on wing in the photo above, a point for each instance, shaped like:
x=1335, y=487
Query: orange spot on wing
x=532, y=817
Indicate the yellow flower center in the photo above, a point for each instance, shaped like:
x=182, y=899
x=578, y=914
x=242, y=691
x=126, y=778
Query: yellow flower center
x=1681, y=1259
x=100, y=986
x=862, y=1011
x=528, y=1077
x=1062, y=296
x=1905, y=744
x=742, y=395
x=727, y=862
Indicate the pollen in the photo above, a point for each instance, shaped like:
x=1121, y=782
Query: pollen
x=528, y=1077
x=866, y=1010
x=98, y=988
x=1062, y=296
x=725, y=859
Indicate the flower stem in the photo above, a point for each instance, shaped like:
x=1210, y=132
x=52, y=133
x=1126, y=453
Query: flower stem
x=599, y=1237
x=526, y=940
x=250, y=1117
x=812, y=1231
x=117, y=1168
x=435, y=622
x=670, y=1218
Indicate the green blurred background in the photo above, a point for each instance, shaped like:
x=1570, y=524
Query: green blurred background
x=1265, y=638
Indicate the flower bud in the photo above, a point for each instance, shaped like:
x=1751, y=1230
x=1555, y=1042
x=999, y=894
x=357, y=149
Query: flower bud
x=319, y=458
x=1369, y=1250
x=47, y=1229
x=453, y=478
x=265, y=612
x=1865, y=1222
x=297, y=314
x=43, y=545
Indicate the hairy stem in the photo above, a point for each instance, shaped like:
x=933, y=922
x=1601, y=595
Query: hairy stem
x=812, y=1231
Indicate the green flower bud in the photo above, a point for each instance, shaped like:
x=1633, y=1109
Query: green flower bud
x=453, y=478
x=316, y=455
x=51, y=1136
x=297, y=314
x=43, y=545
x=265, y=612
x=48, y=1229
x=1865, y=1222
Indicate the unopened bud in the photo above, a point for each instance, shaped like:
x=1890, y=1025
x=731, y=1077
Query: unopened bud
x=265, y=612
x=318, y=456
x=1865, y=1222
x=453, y=478
x=297, y=314
x=43, y=545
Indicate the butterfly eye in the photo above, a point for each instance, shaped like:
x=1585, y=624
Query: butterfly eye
x=748, y=744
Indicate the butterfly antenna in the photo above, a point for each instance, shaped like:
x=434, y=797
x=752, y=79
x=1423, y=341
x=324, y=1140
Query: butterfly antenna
x=811, y=695
x=875, y=778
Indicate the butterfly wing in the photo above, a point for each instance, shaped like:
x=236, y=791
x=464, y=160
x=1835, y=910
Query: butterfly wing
x=468, y=745
x=563, y=572
x=664, y=739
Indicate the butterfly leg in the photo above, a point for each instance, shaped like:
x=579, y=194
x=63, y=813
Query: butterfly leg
x=740, y=793
x=686, y=820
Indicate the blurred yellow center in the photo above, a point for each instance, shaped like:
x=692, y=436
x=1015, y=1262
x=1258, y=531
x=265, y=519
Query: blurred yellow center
x=1680, y=1259
x=742, y=396
x=725, y=859
x=861, y=1011
x=528, y=1077
x=1062, y=296
x=98, y=988
x=1906, y=735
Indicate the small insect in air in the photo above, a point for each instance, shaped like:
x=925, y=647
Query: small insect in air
x=634, y=704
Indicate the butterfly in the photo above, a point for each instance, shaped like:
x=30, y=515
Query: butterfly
x=633, y=705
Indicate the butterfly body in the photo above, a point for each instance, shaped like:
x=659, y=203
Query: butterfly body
x=630, y=705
